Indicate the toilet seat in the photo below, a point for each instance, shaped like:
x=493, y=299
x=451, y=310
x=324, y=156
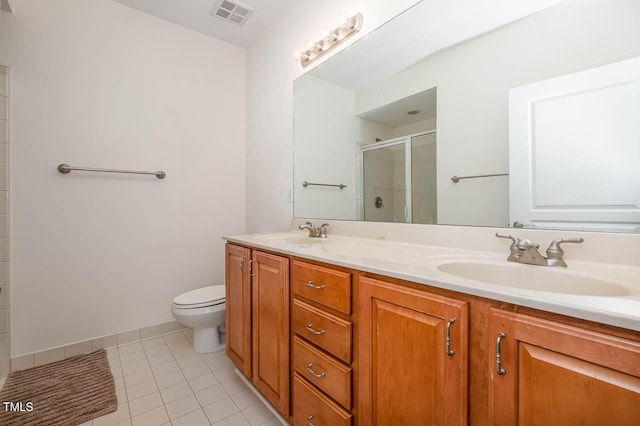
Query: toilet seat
x=201, y=297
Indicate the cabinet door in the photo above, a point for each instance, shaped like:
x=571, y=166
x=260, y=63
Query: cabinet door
x=270, y=310
x=238, y=307
x=558, y=374
x=412, y=372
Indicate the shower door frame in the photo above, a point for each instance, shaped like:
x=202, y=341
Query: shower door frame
x=402, y=140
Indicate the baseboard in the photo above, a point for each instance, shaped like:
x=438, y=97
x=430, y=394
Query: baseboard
x=105, y=342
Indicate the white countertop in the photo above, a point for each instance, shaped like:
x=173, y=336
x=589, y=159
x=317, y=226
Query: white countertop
x=419, y=263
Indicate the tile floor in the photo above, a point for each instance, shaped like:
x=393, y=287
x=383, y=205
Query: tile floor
x=162, y=382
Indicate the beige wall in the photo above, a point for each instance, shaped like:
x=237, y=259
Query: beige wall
x=96, y=83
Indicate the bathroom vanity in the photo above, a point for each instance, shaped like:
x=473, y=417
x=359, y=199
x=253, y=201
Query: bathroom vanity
x=353, y=331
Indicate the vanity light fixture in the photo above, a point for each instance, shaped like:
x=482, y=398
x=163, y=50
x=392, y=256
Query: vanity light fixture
x=330, y=39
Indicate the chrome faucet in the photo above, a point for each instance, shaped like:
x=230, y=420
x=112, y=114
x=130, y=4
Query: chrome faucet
x=315, y=232
x=526, y=251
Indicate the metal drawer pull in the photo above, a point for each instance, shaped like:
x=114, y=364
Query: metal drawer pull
x=309, y=421
x=310, y=370
x=313, y=330
x=251, y=274
x=448, y=338
x=312, y=285
x=242, y=259
x=501, y=371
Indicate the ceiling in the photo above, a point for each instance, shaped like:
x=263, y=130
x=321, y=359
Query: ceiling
x=395, y=114
x=424, y=29
x=195, y=14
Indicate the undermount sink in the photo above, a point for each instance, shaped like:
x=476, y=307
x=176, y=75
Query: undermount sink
x=536, y=278
x=288, y=239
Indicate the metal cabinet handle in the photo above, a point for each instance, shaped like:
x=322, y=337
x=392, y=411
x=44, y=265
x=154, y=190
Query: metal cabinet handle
x=310, y=370
x=448, y=337
x=251, y=274
x=242, y=259
x=312, y=285
x=501, y=371
x=309, y=421
x=313, y=330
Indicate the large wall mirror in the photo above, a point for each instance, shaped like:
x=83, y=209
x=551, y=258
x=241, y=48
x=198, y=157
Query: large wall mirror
x=537, y=110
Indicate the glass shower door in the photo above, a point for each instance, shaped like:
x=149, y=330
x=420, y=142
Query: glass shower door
x=399, y=180
x=384, y=183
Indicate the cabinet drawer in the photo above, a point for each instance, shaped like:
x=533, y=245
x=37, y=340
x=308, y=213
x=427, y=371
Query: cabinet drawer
x=325, y=330
x=335, y=378
x=312, y=407
x=322, y=285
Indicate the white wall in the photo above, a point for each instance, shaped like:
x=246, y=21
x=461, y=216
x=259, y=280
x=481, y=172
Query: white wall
x=96, y=83
x=271, y=70
x=327, y=154
x=413, y=128
x=330, y=153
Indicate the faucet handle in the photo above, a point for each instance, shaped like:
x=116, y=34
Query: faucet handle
x=514, y=253
x=509, y=237
x=308, y=225
x=323, y=230
x=555, y=251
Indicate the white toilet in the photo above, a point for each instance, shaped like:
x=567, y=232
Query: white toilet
x=204, y=310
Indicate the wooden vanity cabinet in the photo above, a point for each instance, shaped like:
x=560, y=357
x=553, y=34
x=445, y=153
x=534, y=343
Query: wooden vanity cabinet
x=345, y=347
x=238, y=307
x=257, y=305
x=413, y=356
x=322, y=344
x=552, y=373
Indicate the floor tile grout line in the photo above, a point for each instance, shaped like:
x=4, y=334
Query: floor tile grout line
x=164, y=405
x=156, y=383
x=200, y=406
x=223, y=388
x=220, y=383
x=186, y=380
x=124, y=387
x=203, y=358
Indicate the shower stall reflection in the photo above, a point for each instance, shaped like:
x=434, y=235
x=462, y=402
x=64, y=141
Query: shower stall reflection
x=399, y=180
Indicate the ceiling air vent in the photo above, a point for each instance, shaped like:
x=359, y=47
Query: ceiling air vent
x=232, y=11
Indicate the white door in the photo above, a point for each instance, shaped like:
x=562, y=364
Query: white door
x=574, y=150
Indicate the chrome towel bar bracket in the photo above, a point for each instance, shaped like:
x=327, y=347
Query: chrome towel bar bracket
x=66, y=169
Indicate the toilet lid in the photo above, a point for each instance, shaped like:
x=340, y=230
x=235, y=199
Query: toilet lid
x=201, y=296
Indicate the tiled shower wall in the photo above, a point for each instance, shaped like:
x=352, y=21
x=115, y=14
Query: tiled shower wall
x=4, y=221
